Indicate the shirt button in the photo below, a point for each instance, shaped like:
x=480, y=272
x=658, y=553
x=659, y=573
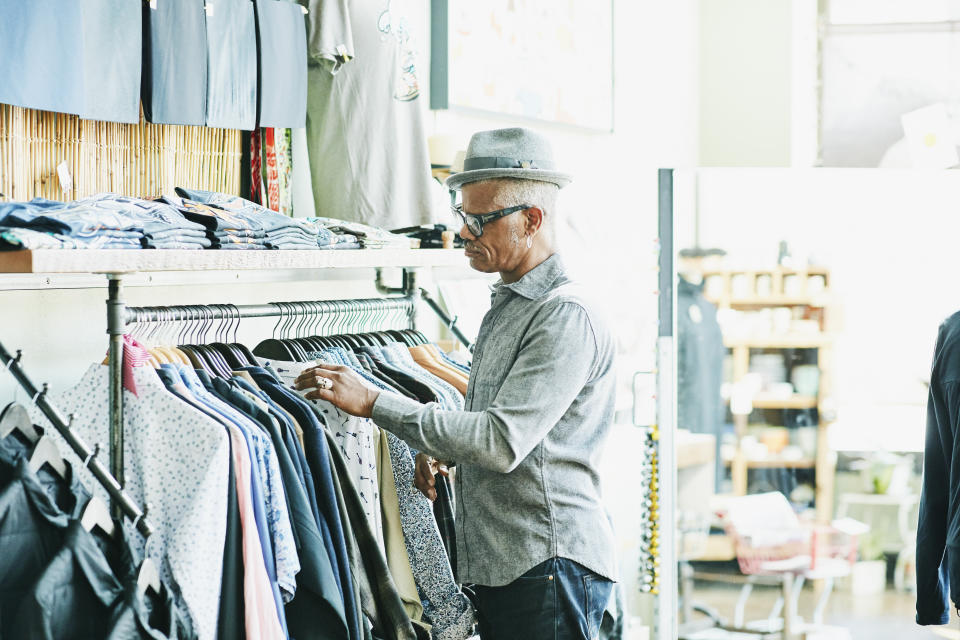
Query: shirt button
x=549, y=577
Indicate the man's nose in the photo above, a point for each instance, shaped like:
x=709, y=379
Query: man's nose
x=466, y=234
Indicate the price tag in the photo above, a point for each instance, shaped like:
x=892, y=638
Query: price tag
x=153, y=4
x=66, y=180
x=209, y=7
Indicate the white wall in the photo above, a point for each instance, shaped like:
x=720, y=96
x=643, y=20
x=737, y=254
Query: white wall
x=746, y=78
x=889, y=238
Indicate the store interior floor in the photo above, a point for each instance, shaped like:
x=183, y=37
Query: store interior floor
x=885, y=616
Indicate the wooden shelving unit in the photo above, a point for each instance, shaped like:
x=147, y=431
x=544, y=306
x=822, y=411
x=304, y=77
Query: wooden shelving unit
x=150, y=260
x=752, y=290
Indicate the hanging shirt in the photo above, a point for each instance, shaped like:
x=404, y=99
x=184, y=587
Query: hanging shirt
x=365, y=123
x=444, y=604
x=176, y=460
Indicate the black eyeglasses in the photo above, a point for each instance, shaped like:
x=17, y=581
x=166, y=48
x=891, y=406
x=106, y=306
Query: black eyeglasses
x=475, y=221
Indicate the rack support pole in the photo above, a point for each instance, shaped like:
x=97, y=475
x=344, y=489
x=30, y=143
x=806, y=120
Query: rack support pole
x=450, y=323
x=412, y=292
x=116, y=327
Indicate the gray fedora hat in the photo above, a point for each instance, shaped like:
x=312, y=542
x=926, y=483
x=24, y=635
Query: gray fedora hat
x=508, y=153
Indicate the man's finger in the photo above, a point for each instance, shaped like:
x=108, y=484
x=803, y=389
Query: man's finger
x=307, y=373
x=320, y=394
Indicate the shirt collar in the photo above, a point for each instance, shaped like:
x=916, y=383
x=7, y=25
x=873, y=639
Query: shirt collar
x=546, y=276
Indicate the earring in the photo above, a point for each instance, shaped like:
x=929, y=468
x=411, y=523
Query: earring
x=529, y=241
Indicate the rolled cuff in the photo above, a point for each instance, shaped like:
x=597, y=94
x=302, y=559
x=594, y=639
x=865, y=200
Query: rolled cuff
x=390, y=410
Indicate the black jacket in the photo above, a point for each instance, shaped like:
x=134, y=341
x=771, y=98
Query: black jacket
x=938, y=533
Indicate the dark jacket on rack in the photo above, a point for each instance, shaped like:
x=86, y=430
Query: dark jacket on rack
x=316, y=610
x=32, y=528
x=938, y=532
x=332, y=528
x=81, y=569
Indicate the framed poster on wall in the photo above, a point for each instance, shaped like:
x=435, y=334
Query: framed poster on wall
x=536, y=59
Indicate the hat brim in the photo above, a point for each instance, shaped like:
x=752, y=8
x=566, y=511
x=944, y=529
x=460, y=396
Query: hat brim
x=457, y=180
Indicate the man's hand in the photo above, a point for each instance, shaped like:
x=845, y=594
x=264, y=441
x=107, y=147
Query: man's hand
x=425, y=470
x=340, y=386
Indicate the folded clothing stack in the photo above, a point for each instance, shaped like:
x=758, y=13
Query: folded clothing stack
x=368, y=237
x=280, y=232
x=224, y=230
x=103, y=221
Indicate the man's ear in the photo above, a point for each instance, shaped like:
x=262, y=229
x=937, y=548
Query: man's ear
x=533, y=220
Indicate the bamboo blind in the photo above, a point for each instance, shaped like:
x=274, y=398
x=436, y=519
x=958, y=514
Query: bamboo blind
x=143, y=160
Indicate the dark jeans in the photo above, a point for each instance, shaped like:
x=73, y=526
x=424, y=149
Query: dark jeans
x=556, y=600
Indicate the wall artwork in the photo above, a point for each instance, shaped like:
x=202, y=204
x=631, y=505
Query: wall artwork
x=537, y=59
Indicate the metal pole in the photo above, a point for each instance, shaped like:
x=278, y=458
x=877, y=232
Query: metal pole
x=666, y=616
x=450, y=323
x=116, y=327
x=188, y=312
x=412, y=292
x=118, y=497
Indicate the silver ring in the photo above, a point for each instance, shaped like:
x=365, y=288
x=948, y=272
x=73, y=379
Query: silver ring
x=325, y=383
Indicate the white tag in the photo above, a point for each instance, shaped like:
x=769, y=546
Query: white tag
x=304, y=9
x=66, y=180
x=153, y=4
x=209, y=8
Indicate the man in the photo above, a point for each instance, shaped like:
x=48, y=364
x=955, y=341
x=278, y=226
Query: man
x=531, y=532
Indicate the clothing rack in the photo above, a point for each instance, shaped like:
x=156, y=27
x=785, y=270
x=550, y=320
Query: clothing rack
x=118, y=497
x=120, y=317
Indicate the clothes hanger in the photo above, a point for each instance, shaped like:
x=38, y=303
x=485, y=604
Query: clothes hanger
x=226, y=351
x=214, y=357
x=238, y=353
x=148, y=577
x=46, y=452
x=97, y=515
x=299, y=353
x=274, y=348
x=15, y=418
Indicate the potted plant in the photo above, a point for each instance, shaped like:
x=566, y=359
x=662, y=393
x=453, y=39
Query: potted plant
x=869, y=575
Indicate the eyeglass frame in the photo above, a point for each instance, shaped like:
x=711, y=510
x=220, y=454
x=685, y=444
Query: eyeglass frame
x=482, y=219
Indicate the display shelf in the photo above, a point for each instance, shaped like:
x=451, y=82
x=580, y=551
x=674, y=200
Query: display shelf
x=781, y=288
x=772, y=301
x=786, y=341
x=767, y=401
x=49, y=261
x=783, y=271
x=777, y=463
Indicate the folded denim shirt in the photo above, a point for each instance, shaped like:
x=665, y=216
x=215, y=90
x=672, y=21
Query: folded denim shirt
x=268, y=219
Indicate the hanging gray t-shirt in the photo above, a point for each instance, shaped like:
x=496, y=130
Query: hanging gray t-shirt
x=365, y=124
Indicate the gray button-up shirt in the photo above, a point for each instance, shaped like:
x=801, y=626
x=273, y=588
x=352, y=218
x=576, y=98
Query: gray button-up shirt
x=539, y=405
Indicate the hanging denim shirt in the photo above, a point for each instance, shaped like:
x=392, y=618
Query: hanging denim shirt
x=41, y=55
x=174, y=87
x=232, y=58
x=283, y=64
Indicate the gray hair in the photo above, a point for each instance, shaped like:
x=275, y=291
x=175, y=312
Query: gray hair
x=512, y=192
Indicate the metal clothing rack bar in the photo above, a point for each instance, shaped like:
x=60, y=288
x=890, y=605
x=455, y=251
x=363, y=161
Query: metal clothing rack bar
x=136, y=315
x=119, y=317
x=448, y=322
x=118, y=497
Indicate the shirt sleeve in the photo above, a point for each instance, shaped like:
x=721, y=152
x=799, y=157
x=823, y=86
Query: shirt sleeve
x=932, y=582
x=557, y=358
x=329, y=33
